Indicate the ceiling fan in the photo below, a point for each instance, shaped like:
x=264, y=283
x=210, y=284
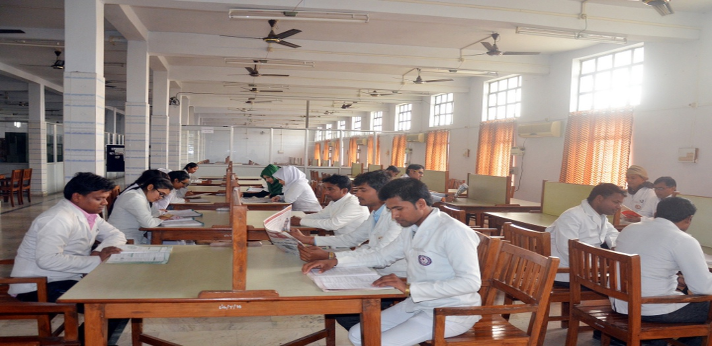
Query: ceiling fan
x=253, y=89
x=253, y=72
x=376, y=93
x=252, y=101
x=58, y=63
x=493, y=50
x=420, y=80
x=275, y=38
x=346, y=105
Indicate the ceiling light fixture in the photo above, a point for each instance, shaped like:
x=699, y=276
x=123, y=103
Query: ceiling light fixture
x=269, y=62
x=572, y=34
x=315, y=16
x=662, y=6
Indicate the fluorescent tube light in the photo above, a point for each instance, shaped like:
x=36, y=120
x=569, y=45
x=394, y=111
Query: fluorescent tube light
x=316, y=16
x=662, y=6
x=269, y=62
x=571, y=34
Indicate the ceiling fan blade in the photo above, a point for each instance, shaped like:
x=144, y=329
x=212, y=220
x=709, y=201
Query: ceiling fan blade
x=488, y=45
x=474, y=54
x=520, y=53
x=11, y=31
x=273, y=75
x=288, y=33
x=230, y=36
x=288, y=44
x=437, y=80
x=251, y=70
x=262, y=101
x=271, y=91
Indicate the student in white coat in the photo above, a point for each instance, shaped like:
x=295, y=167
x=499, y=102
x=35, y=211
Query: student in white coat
x=443, y=270
x=132, y=209
x=342, y=215
x=296, y=190
x=641, y=196
x=190, y=168
x=179, y=179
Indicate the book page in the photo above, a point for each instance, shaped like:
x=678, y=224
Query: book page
x=142, y=254
x=129, y=248
x=341, y=271
x=277, y=228
x=627, y=212
x=188, y=222
x=185, y=213
x=353, y=282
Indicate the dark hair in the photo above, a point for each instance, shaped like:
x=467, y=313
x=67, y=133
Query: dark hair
x=190, y=165
x=375, y=179
x=180, y=175
x=605, y=190
x=675, y=209
x=668, y=181
x=157, y=182
x=342, y=181
x=147, y=175
x=85, y=183
x=393, y=169
x=409, y=190
x=414, y=166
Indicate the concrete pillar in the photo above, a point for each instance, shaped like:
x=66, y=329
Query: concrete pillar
x=174, y=136
x=84, y=87
x=136, y=118
x=185, y=120
x=38, y=139
x=159, y=120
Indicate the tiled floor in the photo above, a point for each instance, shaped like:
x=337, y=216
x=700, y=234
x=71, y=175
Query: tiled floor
x=202, y=331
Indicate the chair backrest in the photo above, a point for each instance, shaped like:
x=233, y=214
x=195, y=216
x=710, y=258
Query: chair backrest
x=16, y=177
x=610, y=273
x=539, y=242
x=487, y=252
x=457, y=214
x=111, y=199
x=26, y=176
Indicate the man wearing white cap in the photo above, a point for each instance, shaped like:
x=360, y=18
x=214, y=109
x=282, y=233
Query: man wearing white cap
x=641, y=195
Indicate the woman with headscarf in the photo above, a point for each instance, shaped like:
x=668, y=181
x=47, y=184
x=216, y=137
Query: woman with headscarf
x=274, y=188
x=296, y=190
x=641, y=196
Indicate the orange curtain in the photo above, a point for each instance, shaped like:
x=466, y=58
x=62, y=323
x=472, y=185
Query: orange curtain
x=336, y=154
x=597, y=147
x=353, y=151
x=436, y=150
x=317, y=152
x=325, y=153
x=494, y=148
x=369, y=157
x=377, y=156
x=398, y=151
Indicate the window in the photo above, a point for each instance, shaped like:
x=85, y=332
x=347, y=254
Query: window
x=610, y=81
x=318, y=135
x=340, y=125
x=377, y=121
x=503, y=99
x=327, y=133
x=442, y=110
x=356, y=123
x=403, y=116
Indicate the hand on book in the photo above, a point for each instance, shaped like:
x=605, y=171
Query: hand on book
x=312, y=253
x=322, y=265
x=106, y=252
x=391, y=280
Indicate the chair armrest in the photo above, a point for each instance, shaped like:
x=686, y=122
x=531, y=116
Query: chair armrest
x=40, y=281
x=562, y=270
x=7, y=261
x=676, y=298
x=71, y=319
x=485, y=310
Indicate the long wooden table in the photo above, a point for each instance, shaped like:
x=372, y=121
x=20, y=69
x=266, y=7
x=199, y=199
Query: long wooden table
x=214, y=202
x=478, y=208
x=216, y=226
x=275, y=286
x=534, y=221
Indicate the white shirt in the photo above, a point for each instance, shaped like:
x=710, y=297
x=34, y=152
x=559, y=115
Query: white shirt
x=583, y=223
x=342, y=216
x=664, y=250
x=131, y=212
x=441, y=256
x=163, y=203
x=302, y=197
x=58, y=246
x=379, y=234
x=643, y=202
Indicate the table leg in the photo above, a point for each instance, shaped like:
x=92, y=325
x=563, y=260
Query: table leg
x=95, y=325
x=371, y=322
x=157, y=238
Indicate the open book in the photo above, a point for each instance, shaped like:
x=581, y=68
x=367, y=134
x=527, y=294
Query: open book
x=182, y=222
x=184, y=213
x=345, y=278
x=277, y=228
x=142, y=254
x=629, y=213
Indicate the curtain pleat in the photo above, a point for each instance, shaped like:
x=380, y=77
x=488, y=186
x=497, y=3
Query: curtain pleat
x=325, y=151
x=495, y=147
x=436, y=150
x=336, y=154
x=317, y=152
x=353, y=151
x=398, y=151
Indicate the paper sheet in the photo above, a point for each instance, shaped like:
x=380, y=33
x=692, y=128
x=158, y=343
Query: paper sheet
x=344, y=278
x=277, y=228
x=142, y=254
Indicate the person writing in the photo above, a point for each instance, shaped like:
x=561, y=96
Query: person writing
x=132, y=209
x=296, y=190
x=190, y=168
x=179, y=179
x=342, y=215
x=443, y=270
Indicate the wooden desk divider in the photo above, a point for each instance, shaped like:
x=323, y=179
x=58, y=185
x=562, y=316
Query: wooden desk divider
x=356, y=169
x=436, y=180
x=373, y=168
x=488, y=188
x=557, y=197
x=702, y=222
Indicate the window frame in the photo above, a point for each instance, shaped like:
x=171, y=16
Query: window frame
x=403, y=124
x=377, y=121
x=440, y=119
x=507, y=98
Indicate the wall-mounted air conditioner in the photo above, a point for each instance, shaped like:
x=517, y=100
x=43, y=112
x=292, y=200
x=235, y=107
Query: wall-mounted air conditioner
x=415, y=137
x=362, y=141
x=543, y=129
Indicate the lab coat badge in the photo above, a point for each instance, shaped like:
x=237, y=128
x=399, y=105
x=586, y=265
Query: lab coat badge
x=424, y=260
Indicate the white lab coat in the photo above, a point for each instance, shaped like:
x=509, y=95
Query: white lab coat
x=58, y=246
x=164, y=202
x=643, y=202
x=441, y=257
x=342, y=216
x=131, y=212
x=583, y=223
x=664, y=250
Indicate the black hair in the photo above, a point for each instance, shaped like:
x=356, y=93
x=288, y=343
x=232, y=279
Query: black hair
x=147, y=175
x=375, y=179
x=409, y=190
x=604, y=190
x=342, y=181
x=85, y=183
x=190, y=165
x=668, y=181
x=157, y=182
x=180, y=175
x=414, y=166
x=393, y=169
x=675, y=209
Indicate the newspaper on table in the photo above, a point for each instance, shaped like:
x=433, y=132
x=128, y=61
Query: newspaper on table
x=185, y=213
x=277, y=228
x=141, y=254
x=346, y=278
x=253, y=189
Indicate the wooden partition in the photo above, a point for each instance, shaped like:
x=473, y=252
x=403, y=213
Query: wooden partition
x=356, y=169
x=436, y=180
x=702, y=221
x=372, y=168
x=557, y=197
x=489, y=188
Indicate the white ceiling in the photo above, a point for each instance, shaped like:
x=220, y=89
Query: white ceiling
x=350, y=59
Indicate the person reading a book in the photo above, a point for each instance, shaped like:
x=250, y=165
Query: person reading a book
x=132, y=209
x=666, y=249
x=665, y=187
x=274, y=188
x=586, y=222
x=641, y=197
x=179, y=179
x=392, y=171
x=443, y=270
x=296, y=190
x=342, y=215
x=416, y=171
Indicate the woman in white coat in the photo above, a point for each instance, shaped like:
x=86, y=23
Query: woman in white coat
x=132, y=209
x=296, y=190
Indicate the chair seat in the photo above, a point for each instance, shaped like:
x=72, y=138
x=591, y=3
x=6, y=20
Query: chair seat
x=496, y=330
x=603, y=315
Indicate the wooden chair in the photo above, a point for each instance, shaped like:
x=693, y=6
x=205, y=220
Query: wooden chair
x=487, y=252
x=111, y=199
x=42, y=312
x=456, y=214
x=26, y=183
x=540, y=242
x=521, y=273
x=12, y=186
